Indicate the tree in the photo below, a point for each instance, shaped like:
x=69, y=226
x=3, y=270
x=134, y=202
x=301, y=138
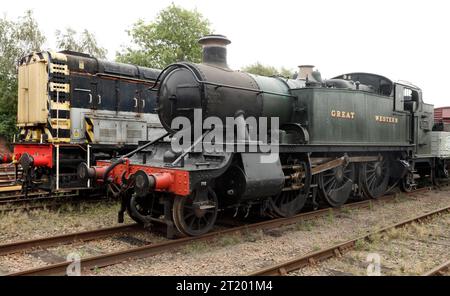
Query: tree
x=172, y=37
x=17, y=38
x=85, y=42
x=264, y=70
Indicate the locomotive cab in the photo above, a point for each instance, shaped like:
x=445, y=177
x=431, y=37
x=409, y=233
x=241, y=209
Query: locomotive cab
x=408, y=99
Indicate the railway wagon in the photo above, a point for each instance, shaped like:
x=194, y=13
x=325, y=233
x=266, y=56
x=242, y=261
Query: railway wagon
x=75, y=108
x=442, y=119
x=356, y=135
x=440, y=137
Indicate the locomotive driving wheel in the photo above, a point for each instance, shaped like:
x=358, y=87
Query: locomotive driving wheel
x=195, y=214
x=336, y=184
x=375, y=178
x=295, y=192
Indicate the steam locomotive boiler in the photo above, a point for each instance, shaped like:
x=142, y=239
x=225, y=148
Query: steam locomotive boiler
x=356, y=134
x=75, y=108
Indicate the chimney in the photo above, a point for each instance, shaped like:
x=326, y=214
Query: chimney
x=214, y=50
x=305, y=71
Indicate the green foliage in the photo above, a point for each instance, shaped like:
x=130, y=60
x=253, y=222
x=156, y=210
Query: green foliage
x=305, y=225
x=229, y=240
x=330, y=215
x=171, y=38
x=196, y=247
x=264, y=70
x=17, y=38
x=7, y=125
x=85, y=42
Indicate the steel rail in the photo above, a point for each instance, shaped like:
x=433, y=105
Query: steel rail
x=157, y=248
x=49, y=204
x=21, y=246
x=335, y=250
x=438, y=269
x=19, y=197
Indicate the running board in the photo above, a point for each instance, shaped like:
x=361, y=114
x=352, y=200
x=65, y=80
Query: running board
x=344, y=160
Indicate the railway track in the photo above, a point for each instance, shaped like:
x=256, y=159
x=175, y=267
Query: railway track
x=42, y=200
x=16, y=197
x=156, y=248
x=336, y=250
x=8, y=176
x=12, y=198
x=84, y=236
x=51, y=204
x=438, y=270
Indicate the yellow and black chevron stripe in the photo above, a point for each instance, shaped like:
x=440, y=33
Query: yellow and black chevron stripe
x=89, y=129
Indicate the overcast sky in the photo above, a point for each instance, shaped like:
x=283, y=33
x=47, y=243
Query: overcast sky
x=407, y=40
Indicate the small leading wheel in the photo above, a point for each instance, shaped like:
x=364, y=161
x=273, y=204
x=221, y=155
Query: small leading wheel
x=407, y=183
x=193, y=216
x=375, y=178
x=336, y=184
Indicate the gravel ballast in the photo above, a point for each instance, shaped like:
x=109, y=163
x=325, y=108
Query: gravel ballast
x=244, y=254
x=229, y=255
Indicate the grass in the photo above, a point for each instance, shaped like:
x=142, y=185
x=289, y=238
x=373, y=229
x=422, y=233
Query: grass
x=361, y=245
x=229, y=240
x=400, y=197
x=391, y=252
x=196, y=247
x=375, y=238
x=419, y=230
x=346, y=210
x=68, y=218
x=315, y=248
x=306, y=225
x=394, y=233
x=330, y=216
x=96, y=270
x=253, y=236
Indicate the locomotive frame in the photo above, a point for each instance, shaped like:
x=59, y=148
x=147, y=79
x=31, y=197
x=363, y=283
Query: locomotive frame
x=355, y=135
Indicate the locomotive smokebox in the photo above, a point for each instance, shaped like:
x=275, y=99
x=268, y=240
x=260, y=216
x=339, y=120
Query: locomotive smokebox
x=214, y=49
